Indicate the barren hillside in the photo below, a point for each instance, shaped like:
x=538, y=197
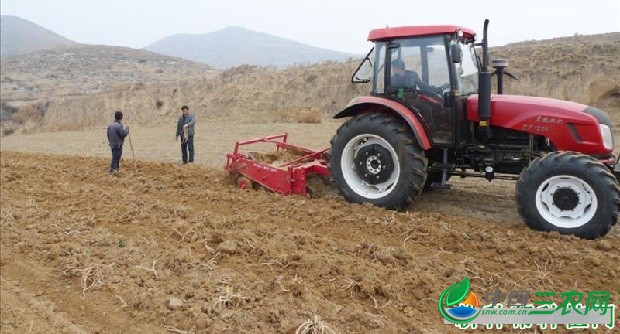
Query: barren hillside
x=19, y=36
x=31, y=83
x=241, y=94
x=89, y=70
x=584, y=69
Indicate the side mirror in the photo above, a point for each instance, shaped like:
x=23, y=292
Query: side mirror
x=456, y=53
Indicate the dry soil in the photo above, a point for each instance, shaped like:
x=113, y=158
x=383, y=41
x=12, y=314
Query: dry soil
x=177, y=248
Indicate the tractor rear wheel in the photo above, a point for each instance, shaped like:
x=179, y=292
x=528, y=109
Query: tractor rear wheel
x=570, y=193
x=375, y=159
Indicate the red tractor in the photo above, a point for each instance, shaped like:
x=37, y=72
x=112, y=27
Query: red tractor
x=430, y=115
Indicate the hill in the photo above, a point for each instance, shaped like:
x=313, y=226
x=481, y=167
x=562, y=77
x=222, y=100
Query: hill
x=235, y=46
x=579, y=68
x=31, y=83
x=88, y=69
x=584, y=69
x=21, y=36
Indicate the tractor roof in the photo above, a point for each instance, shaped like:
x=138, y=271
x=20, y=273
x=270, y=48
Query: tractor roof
x=415, y=31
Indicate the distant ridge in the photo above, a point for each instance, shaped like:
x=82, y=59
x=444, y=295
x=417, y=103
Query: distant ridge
x=235, y=46
x=89, y=69
x=19, y=36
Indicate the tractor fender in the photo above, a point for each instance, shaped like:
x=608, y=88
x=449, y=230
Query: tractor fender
x=373, y=103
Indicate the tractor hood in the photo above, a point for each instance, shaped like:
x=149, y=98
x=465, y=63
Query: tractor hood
x=570, y=126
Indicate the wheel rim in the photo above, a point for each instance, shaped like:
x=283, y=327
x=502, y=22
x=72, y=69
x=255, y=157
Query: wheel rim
x=566, y=201
x=362, y=162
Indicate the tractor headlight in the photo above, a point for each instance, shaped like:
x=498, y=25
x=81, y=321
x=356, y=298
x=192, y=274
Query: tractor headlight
x=608, y=137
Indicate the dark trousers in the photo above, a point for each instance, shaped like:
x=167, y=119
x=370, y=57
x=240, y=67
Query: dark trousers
x=117, y=152
x=187, y=149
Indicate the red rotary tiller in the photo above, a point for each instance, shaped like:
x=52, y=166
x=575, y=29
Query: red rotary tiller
x=284, y=178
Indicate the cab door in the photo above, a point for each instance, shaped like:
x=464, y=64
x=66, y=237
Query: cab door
x=426, y=64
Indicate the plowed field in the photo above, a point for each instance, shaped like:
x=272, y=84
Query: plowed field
x=171, y=248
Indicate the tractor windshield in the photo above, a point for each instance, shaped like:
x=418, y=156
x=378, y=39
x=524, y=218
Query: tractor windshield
x=426, y=57
x=423, y=60
x=467, y=70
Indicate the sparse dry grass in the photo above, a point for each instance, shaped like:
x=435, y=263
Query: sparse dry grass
x=90, y=276
x=584, y=69
x=246, y=94
x=304, y=115
x=229, y=298
x=314, y=326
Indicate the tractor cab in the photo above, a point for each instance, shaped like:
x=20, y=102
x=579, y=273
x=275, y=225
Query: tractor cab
x=431, y=70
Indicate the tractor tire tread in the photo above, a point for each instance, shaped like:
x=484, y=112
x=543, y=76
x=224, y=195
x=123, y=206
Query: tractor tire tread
x=415, y=155
x=586, y=167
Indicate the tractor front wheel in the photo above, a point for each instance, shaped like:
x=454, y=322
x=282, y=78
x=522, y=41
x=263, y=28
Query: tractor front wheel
x=375, y=159
x=570, y=193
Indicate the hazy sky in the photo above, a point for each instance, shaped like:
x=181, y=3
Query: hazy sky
x=341, y=25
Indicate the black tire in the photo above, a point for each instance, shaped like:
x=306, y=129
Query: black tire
x=403, y=181
x=556, y=185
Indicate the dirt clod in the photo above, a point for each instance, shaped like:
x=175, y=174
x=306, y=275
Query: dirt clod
x=228, y=247
x=175, y=303
x=605, y=245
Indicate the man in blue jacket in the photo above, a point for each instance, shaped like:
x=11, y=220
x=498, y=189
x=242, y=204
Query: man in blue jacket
x=116, y=138
x=185, y=130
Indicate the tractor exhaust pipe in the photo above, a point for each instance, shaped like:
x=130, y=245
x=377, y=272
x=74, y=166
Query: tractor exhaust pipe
x=484, y=81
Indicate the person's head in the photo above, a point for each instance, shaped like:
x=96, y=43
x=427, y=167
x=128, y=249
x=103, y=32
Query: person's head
x=398, y=67
x=118, y=115
x=184, y=110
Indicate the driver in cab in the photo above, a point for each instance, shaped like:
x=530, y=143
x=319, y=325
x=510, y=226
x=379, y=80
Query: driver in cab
x=402, y=78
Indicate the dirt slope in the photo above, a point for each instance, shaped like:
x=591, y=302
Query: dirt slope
x=172, y=247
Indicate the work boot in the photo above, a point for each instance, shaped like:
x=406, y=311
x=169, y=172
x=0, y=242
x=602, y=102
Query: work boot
x=114, y=172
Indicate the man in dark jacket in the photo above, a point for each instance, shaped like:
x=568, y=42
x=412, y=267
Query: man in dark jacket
x=185, y=130
x=402, y=78
x=116, y=138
